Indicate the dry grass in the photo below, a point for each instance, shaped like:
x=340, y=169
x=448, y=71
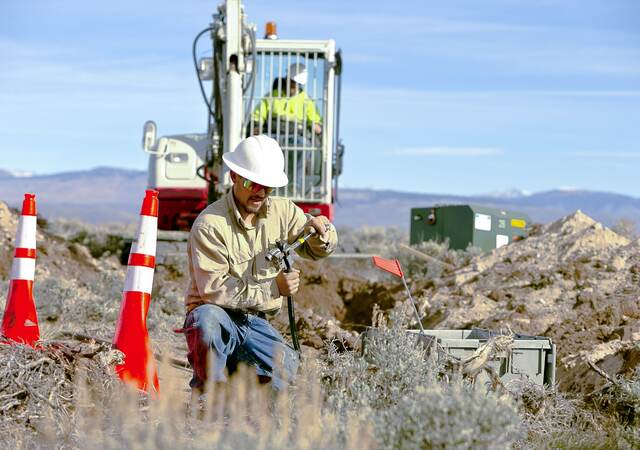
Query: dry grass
x=37, y=388
x=412, y=400
x=394, y=395
x=240, y=415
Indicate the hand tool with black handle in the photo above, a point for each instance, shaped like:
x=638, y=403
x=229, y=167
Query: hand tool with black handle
x=282, y=256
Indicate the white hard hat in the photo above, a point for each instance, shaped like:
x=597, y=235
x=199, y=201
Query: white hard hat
x=298, y=73
x=259, y=159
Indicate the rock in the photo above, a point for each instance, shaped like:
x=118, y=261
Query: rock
x=598, y=353
x=82, y=254
x=618, y=263
x=8, y=220
x=472, y=315
x=570, y=224
x=631, y=308
x=496, y=295
x=465, y=277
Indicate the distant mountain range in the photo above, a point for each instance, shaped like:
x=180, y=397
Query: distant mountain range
x=99, y=196
x=364, y=206
x=110, y=195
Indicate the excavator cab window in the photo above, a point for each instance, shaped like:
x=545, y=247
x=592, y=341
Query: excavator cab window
x=289, y=102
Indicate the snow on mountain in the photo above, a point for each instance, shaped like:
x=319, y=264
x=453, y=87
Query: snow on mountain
x=509, y=193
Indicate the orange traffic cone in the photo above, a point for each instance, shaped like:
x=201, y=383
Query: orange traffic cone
x=20, y=321
x=131, y=337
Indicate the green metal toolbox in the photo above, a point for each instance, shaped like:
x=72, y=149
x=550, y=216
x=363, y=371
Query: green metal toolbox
x=465, y=225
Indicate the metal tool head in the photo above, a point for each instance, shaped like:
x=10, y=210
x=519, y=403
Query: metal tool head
x=274, y=254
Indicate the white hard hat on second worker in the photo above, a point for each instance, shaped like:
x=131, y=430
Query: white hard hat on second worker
x=259, y=159
x=298, y=73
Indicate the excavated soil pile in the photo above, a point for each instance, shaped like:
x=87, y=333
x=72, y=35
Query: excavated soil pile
x=335, y=302
x=574, y=281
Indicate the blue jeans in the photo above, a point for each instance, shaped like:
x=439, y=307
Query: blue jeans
x=219, y=339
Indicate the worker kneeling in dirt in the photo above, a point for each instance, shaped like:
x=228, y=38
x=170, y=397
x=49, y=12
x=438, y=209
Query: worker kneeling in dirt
x=232, y=287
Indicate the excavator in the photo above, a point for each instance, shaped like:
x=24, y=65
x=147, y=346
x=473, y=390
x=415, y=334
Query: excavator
x=287, y=89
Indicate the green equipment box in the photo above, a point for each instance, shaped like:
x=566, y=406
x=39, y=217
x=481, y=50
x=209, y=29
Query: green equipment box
x=465, y=225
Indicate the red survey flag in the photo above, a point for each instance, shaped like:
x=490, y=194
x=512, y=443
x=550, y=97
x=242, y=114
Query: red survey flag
x=389, y=265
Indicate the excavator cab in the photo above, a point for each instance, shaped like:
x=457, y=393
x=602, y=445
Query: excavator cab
x=294, y=98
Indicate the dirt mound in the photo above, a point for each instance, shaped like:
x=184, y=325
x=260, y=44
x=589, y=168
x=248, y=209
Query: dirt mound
x=335, y=301
x=57, y=257
x=575, y=281
x=8, y=220
x=342, y=290
x=8, y=223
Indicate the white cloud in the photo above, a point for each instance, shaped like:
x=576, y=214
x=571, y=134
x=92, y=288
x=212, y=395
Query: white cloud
x=416, y=24
x=49, y=77
x=606, y=154
x=50, y=68
x=403, y=94
x=594, y=93
x=575, y=50
x=448, y=151
x=367, y=58
x=572, y=57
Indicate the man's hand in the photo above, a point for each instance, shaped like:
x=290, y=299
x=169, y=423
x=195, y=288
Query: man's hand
x=319, y=223
x=288, y=283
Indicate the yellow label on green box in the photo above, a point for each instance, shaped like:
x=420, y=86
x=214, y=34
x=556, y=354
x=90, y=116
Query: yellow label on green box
x=518, y=223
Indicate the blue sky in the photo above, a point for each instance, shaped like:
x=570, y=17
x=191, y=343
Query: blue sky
x=456, y=97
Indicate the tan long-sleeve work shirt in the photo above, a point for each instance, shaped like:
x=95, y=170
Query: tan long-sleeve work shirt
x=227, y=265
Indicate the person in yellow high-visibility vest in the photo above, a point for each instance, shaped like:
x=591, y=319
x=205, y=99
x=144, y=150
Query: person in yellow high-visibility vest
x=289, y=105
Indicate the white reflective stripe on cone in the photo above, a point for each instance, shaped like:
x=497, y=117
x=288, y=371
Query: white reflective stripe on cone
x=26, y=235
x=139, y=279
x=23, y=269
x=147, y=236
